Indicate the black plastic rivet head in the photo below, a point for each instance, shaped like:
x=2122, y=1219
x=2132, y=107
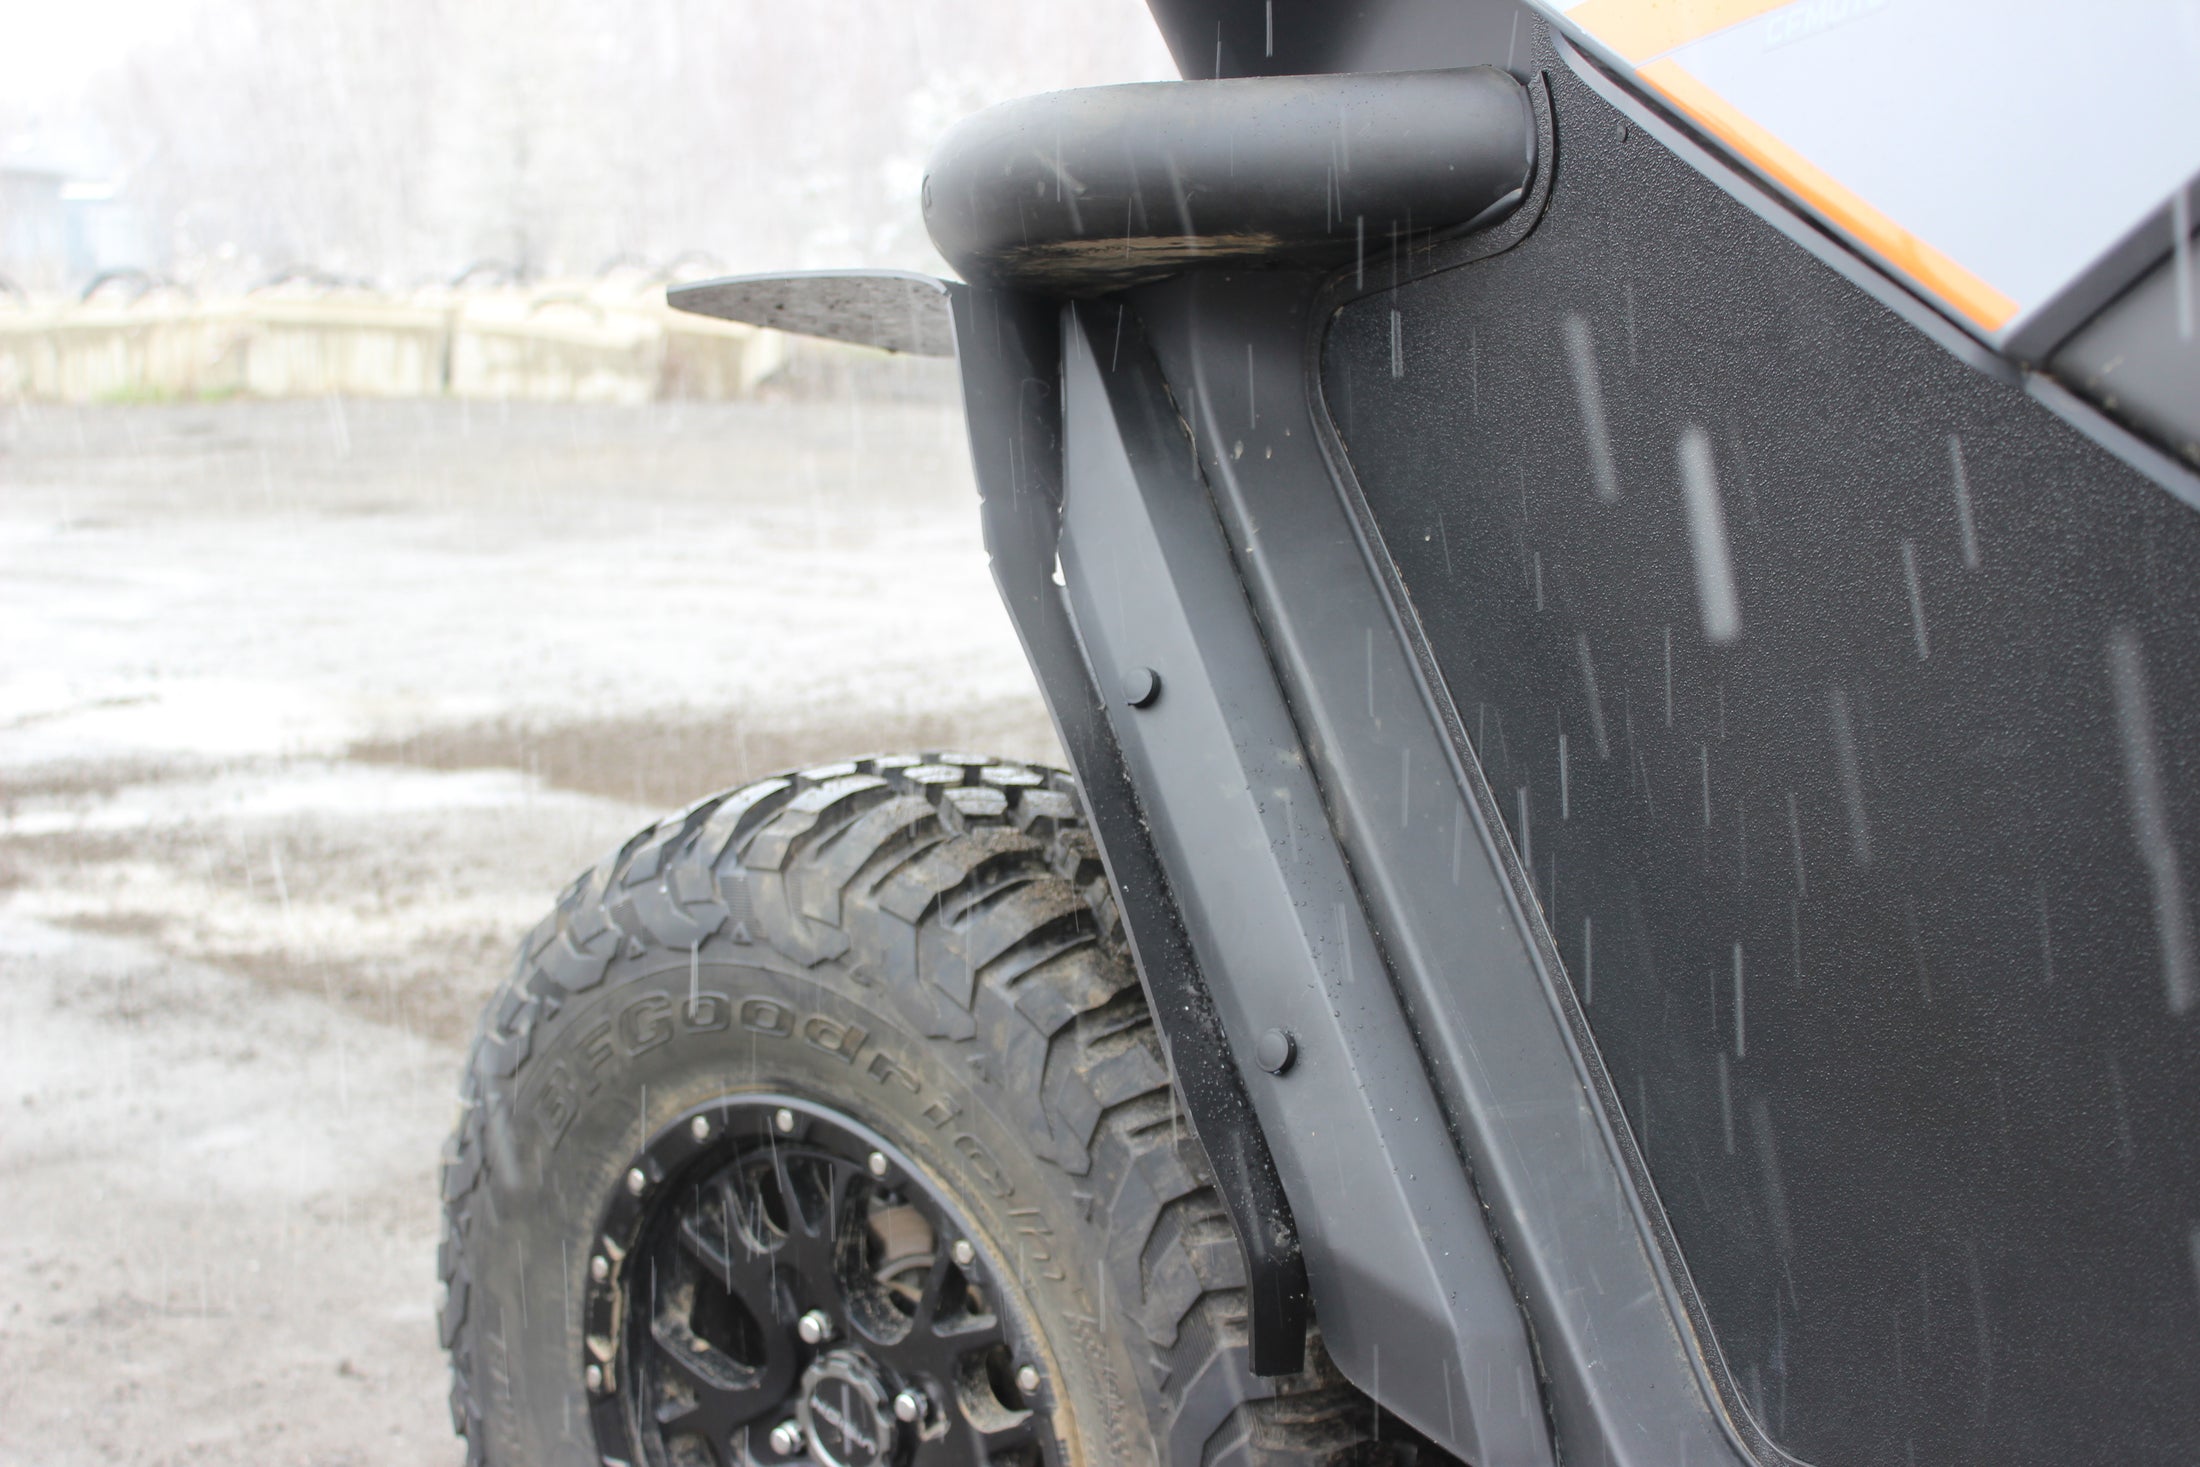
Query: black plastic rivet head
x=1276, y=1051
x=1141, y=685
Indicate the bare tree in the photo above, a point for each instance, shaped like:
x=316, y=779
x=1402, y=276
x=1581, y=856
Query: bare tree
x=406, y=138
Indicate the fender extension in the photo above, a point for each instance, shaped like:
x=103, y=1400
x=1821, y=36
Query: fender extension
x=1076, y=195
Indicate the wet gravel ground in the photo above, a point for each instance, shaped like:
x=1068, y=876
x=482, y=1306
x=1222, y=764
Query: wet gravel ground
x=306, y=711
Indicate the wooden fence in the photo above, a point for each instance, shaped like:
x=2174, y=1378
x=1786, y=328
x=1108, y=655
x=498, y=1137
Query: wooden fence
x=544, y=345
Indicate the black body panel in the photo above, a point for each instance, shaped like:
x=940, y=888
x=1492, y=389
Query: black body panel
x=1477, y=987
x=1874, y=887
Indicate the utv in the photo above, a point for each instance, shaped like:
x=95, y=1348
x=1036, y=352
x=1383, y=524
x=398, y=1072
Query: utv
x=1617, y=582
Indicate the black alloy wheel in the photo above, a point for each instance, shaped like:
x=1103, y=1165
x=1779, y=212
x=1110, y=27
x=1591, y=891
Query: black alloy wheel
x=775, y=1283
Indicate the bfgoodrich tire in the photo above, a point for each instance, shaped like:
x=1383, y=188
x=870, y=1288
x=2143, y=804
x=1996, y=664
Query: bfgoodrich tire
x=832, y=1105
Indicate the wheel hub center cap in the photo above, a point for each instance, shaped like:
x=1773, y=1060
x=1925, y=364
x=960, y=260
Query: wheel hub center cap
x=845, y=1411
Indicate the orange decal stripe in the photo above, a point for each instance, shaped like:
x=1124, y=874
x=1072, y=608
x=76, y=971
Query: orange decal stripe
x=1977, y=300
x=1641, y=29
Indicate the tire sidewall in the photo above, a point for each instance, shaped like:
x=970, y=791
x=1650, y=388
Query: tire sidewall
x=666, y=1033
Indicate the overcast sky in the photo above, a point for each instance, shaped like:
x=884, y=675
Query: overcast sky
x=55, y=48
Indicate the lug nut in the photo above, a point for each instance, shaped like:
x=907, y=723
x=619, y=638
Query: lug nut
x=637, y=1181
x=963, y=1254
x=912, y=1405
x=787, y=1437
x=784, y=1120
x=1027, y=1378
x=599, y=1268
x=878, y=1163
x=815, y=1327
x=595, y=1377
x=699, y=1128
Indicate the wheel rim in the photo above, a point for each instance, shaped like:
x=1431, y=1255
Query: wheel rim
x=773, y=1283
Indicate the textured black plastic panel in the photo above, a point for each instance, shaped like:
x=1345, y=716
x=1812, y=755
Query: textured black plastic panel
x=1842, y=702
